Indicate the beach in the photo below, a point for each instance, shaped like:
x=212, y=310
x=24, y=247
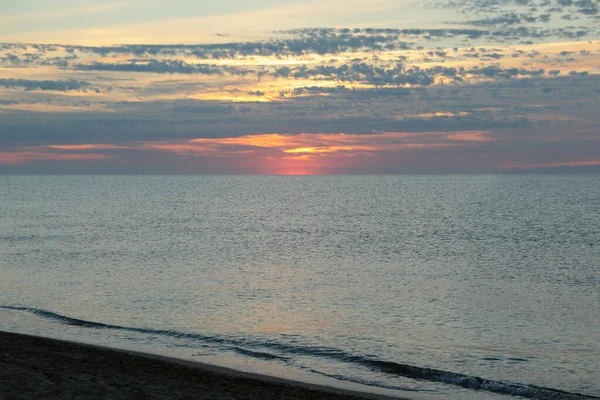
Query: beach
x=34, y=367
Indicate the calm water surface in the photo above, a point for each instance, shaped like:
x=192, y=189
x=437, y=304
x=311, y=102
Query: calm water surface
x=416, y=284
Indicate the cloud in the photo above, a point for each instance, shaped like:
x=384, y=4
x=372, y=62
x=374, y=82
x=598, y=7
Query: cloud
x=55, y=109
x=401, y=75
x=304, y=41
x=26, y=157
x=510, y=22
x=520, y=165
x=79, y=147
x=152, y=65
x=587, y=7
x=510, y=19
x=501, y=102
x=265, y=153
x=437, y=98
x=57, y=85
x=330, y=153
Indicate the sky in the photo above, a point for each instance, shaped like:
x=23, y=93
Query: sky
x=299, y=86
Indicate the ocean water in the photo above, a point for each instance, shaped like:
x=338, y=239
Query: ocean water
x=470, y=287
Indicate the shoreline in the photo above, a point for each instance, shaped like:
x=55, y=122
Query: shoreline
x=33, y=367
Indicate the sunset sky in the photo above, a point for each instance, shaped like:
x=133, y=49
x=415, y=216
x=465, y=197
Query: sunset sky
x=299, y=86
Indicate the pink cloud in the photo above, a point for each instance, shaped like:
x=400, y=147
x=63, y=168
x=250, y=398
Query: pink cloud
x=23, y=157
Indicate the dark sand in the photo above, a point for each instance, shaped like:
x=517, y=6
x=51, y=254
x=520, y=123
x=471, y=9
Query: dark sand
x=38, y=368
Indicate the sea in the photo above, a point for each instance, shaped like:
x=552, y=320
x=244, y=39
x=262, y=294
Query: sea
x=418, y=286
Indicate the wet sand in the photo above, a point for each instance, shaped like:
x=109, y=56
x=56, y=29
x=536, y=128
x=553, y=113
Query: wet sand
x=36, y=368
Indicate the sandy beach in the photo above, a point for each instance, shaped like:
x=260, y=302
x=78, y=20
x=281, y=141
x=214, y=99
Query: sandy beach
x=34, y=368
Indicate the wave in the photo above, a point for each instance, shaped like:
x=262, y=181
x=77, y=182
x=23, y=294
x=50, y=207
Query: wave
x=364, y=381
x=259, y=354
x=240, y=346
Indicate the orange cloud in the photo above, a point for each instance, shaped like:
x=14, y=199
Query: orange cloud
x=266, y=153
x=312, y=153
x=322, y=143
